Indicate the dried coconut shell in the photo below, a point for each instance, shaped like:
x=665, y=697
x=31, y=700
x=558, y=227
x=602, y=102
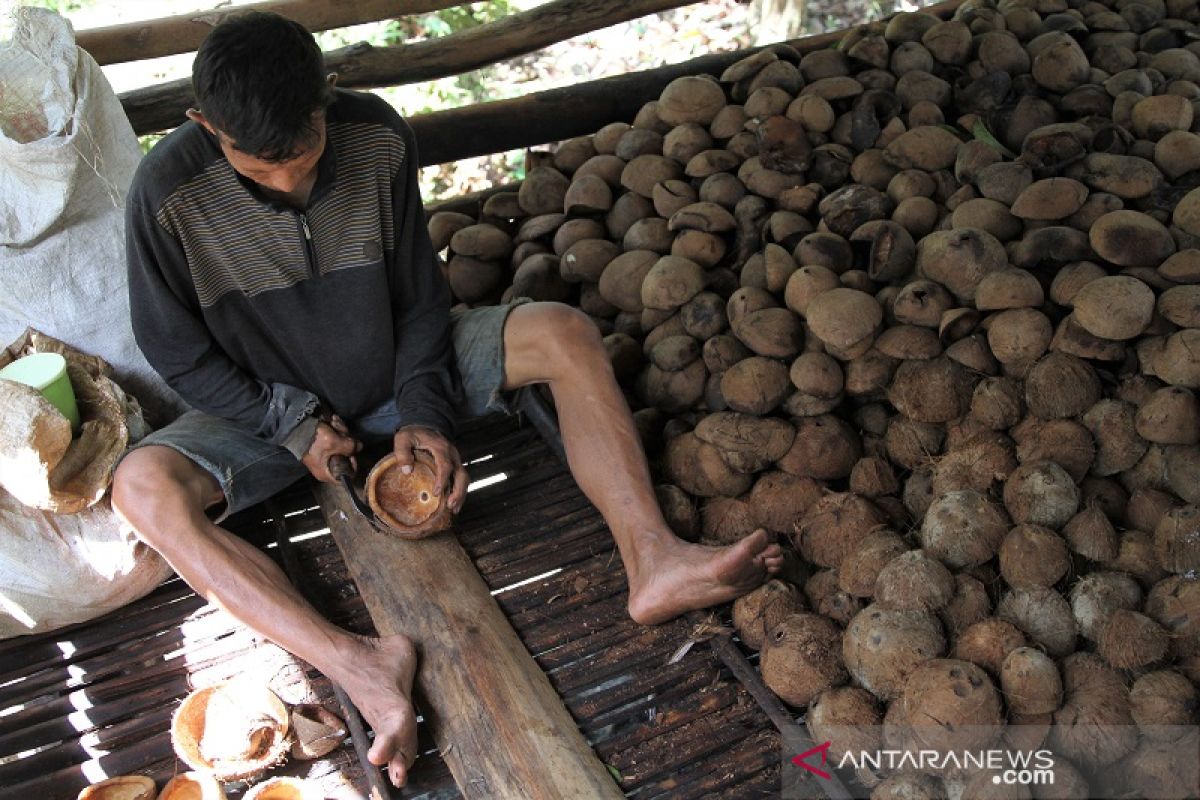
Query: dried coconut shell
x=283, y=788
x=1114, y=307
x=848, y=717
x=232, y=730
x=1050, y=199
x=755, y=385
x=987, y=643
x=1131, y=239
x=1182, y=267
x=1178, y=362
x=1177, y=540
x=1030, y=682
x=1071, y=278
x=1170, y=416
x=982, y=462
x=882, y=648
x=691, y=99
x=998, y=403
x=1043, y=615
x=834, y=526
x=969, y=605
x=697, y=467
x=444, y=224
x=959, y=259
x=122, y=787
x=801, y=658
x=1130, y=640
x=1093, y=727
x=1061, y=385
x=910, y=443
x=192, y=786
x=827, y=598
x=1032, y=555
x=543, y=191
x=914, y=581
x=921, y=302
x=759, y=612
x=679, y=510
x=1018, y=337
x=903, y=342
x=1008, y=288
x=725, y=520
x=844, y=318
x=963, y=529
x=873, y=477
x=1136, y=556
x=747, y=443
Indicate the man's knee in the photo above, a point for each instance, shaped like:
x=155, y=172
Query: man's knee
x=150, y=474
x=566, y=333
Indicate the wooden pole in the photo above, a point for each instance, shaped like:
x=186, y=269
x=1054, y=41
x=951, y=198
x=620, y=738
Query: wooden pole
x=156, y=108
x=134, y=41
x=498, y=722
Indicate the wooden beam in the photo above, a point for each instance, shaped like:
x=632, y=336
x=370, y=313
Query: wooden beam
x=559, y=114
x=503, y=730
x=183, y=33
x=361, y=65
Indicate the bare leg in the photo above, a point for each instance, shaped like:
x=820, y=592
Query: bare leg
x=556, y=344
x=163, y=495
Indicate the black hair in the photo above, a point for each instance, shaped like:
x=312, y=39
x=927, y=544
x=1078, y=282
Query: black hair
x=259, y=78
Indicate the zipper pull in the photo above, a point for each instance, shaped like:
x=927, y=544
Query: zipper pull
x=304, y=225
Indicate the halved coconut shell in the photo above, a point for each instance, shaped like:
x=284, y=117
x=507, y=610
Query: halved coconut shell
x=406, y=503
x=285, y=789
x=122, y=787
x=232, y=730
x=193, y=786
x=317, y=731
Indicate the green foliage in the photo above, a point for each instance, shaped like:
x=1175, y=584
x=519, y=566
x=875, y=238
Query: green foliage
x=148, y=141
x=63, y=7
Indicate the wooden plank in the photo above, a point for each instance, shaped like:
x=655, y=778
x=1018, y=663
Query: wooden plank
x=362, y=65
x=504, y=731
x=183, y=33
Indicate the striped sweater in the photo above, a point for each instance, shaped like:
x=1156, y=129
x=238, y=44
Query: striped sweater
x=255, y=311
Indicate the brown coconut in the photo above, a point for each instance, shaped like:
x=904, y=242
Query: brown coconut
x=192, y=786
x=1114, y=307
x=1097, y=595
x=963, y=529
x=1113, y=426
x=679, y=510
x=1177, y=540
x=847, y=716
x=860, y=568
x=1061, y=385
x=691, y=99
x=1008, y=288
x=1041, y=493
x=698, y=468
x=758, y=613
x=909, y=786
x=959, y=259
x=1031, y=555
x=780, y=500
x=882, y=647
x=1019, y=336
x=725, y=520
x=1030, y=682
x=951, y=704
x=316, y=731
x=755, y=385
x=1163, y=698
x=914, y=581
x=747, y=443
x=285, y=788
x=834, y=526
x=801, y=658
x=998, y=403
x=970, y=604
x=232, y=730
x=1130, y=640
x=825, y=447
x=1093, y=727
x=827, y=598
x=1043, y=615
x=987, y=643
x=1131, y=239
x=1170, y=416
x=910, y=443
x=1091, y=534
x=845, y=320
x=937, y=390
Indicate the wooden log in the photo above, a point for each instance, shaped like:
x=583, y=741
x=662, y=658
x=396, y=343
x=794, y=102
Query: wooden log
x=183, y=33
x=361, y=65
x=504, y=731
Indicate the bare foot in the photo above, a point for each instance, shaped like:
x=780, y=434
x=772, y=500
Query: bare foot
x=677, y=576
x=379, y=679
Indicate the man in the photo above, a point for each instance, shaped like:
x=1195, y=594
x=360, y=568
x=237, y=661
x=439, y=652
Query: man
x=279, y=266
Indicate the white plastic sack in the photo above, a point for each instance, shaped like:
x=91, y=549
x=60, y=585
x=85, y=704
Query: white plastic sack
x=59, y=569
x=67, y=157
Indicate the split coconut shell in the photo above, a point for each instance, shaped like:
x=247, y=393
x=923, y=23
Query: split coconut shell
x=192, y=786
x=317, y=731
x=122, y=787
x=406, y=503
x=285, y=789
x=232, y=730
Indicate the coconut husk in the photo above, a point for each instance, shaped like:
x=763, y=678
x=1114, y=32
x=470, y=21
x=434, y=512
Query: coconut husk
x=969, y=605
x=1043, y=615
x=1031, y=555
x=1177, y=540
x=1097, y=595
x=285, y=789
x=963, y=528
x=860, y=568
x=757, y=613
x=316, y=730
x=882, y=647
x=950, y=704
x=1092, y=535
x=1130, y=640
x=914, y=581
x=1163, y=698
x=122, y=787
x=232, y=730
x=802, y=658
x=1030, y=682
x=835, y=526
x=827, y=598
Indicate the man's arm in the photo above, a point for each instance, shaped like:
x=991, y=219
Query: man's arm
x=171, y=332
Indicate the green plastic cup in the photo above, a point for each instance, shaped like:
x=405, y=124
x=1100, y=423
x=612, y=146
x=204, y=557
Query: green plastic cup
x=46, y=372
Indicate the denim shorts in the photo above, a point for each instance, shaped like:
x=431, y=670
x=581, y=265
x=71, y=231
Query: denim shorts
x=250, y=469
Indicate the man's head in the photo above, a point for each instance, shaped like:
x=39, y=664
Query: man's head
x=261, y=88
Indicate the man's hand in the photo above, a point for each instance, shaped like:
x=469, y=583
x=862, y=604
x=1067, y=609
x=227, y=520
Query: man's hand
x=332, y=439
x=445, y=456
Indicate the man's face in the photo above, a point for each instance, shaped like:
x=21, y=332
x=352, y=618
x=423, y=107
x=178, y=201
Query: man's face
x=277, y=176
x=280, y=176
